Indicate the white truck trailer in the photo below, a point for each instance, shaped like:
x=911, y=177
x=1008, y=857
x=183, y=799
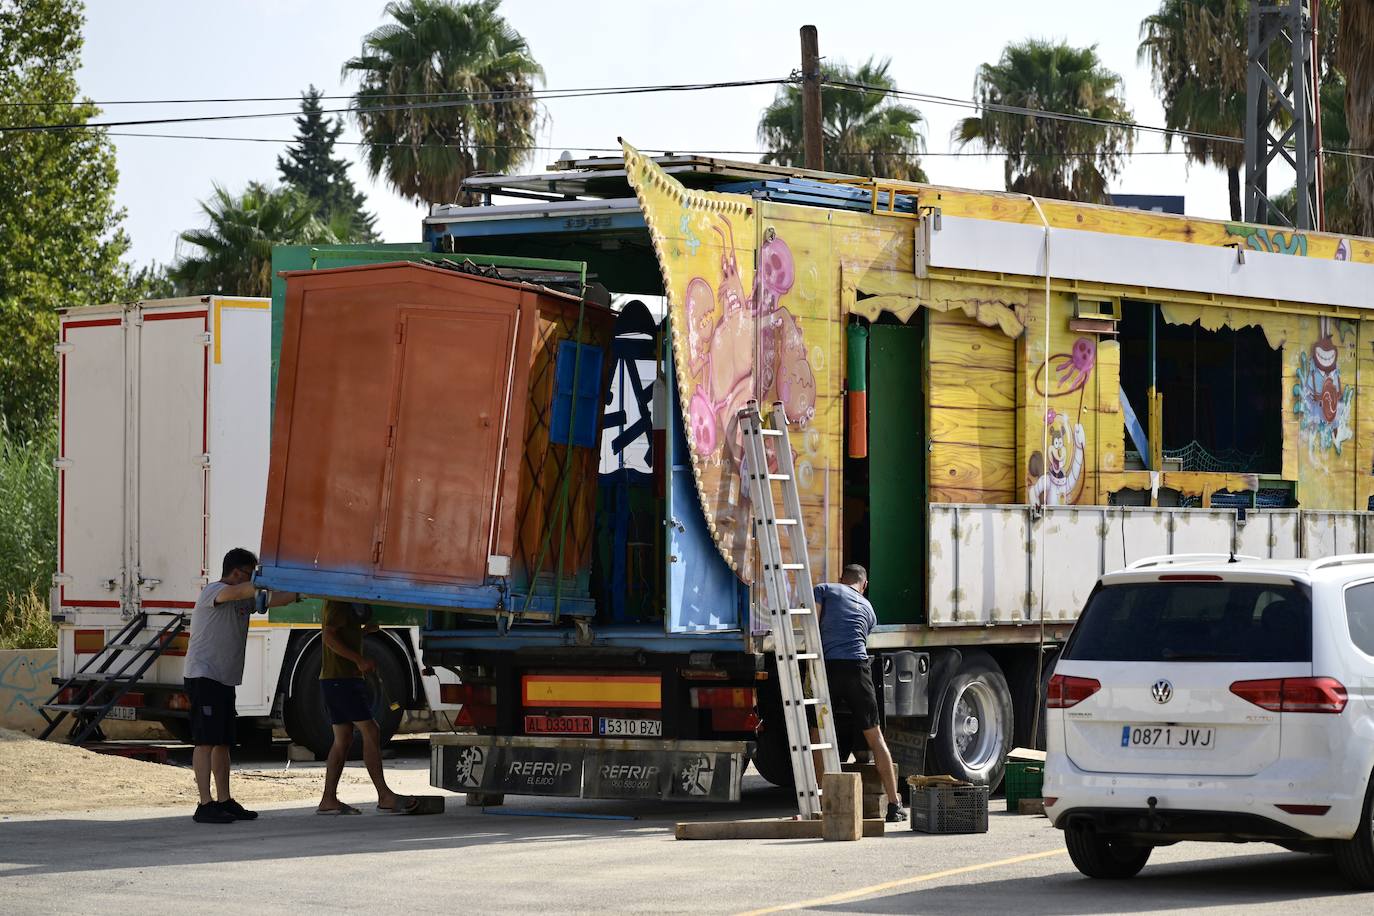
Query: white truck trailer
x=164, y=417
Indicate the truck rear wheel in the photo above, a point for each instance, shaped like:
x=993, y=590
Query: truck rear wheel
x=1030, y=728
x=307, y=720
x=974, y=729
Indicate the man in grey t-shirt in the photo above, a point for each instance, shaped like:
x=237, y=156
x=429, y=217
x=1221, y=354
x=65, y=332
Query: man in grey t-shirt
x=214, y=667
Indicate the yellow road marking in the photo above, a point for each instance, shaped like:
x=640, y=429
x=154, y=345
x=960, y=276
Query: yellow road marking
x=904, y=882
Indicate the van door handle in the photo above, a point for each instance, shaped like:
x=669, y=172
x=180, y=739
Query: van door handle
x=149, y=584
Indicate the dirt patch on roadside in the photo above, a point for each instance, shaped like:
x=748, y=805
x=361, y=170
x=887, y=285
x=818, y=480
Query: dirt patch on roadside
x=37, y=777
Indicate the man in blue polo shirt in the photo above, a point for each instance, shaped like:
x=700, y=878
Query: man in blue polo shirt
x=846, y=618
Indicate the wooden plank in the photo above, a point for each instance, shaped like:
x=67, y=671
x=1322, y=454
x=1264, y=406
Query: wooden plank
x=764, y=829
x=957, y=340
x=971, y=497
x=972, y=467
x=972, y=389
x=991, y=427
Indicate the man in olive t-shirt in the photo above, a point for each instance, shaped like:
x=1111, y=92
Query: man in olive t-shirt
x=342, y=667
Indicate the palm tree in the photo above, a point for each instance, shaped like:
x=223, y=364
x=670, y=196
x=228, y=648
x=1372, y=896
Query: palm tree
x=1356, y=58
x=433, y=54
x=864, y=130
x=1197, y=55
x=235, y=255
x=1051, y=157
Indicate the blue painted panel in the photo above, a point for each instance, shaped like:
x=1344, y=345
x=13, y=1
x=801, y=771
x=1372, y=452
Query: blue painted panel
x=366, y=587
x=650, y=639
x=478, y=228
x=588, y=372
x=703, y=594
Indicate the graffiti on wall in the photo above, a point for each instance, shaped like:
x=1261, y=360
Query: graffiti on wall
x=1054, y=476
x=1321, y=400
x=1277, y=241
x=25, y=682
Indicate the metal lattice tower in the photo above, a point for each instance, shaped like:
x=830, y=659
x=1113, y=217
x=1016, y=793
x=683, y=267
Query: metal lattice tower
x=1282, y=117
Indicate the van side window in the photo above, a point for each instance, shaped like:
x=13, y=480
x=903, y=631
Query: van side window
x=1359, y=614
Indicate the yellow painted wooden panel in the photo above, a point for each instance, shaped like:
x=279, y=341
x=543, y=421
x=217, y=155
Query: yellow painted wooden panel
x=972, y=389
x=993, y=427
x=958, y=495
x=972, y=467
x=955, y=339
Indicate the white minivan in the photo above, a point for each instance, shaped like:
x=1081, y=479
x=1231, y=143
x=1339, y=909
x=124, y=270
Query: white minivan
x=1217, y=698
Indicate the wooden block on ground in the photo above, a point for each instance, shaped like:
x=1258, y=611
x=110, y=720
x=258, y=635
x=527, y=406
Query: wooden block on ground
x=764, y=829
x=299, y=753
x=1030, y=806
x=429, y=804
x=842, y=806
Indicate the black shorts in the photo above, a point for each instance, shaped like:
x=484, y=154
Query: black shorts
x=346, y=699
x=212, y=711
x=851, y=686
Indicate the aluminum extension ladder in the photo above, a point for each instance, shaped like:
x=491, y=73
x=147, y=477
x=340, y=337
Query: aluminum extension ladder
x=791, y=603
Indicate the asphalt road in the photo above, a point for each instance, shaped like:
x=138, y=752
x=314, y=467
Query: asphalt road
x=468, y=860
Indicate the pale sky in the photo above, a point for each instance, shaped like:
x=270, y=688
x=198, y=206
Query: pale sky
x=169, y=49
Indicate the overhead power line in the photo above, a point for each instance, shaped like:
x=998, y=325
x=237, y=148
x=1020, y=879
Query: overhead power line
x=465, y=102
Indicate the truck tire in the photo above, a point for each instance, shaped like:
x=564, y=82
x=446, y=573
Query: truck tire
x=974, y=728
x=1025, y=697
x=1105, y=857
x=771, y=756
x=307, y=721
x=1355, y=856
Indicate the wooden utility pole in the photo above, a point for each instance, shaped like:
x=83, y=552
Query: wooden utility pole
x=811, y=98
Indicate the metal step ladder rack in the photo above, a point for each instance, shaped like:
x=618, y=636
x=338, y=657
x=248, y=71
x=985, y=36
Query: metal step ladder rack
x=101, y=684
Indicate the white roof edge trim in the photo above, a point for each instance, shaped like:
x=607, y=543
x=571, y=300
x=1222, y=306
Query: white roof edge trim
x=965, y=243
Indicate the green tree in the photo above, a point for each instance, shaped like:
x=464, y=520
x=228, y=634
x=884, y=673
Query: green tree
x=1051, y=157
x=151, y=281
x=433, y=53
x=865, y=131
x=235, y=256
x=1356, y=58
x=311, y=167
x=1197, y=55
x=60, y=235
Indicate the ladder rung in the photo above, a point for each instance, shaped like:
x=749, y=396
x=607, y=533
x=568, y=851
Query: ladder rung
x=798, y=611
x=807, y=656
x=130, y=647
x=810, y=701
x=770, y=432
x=793, y=566
x=102, y=677
x=785, y=521
x=779, y=477
x=817, y=747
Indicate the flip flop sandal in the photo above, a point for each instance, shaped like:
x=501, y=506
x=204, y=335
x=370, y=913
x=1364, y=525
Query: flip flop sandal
x=405, y=804
x=336, y=812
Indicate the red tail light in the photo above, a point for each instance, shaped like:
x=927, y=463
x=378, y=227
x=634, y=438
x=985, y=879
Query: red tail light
x=473, y=694
x=1067, y=690
x=1294, y=694
x=722, y=697
x=179, y=701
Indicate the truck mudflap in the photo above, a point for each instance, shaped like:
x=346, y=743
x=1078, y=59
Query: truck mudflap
x=588, y=767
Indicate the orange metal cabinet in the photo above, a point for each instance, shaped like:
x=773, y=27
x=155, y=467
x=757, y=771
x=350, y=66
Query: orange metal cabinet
x=413, y=458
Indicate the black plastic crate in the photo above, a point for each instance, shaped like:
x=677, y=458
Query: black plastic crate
x=949, y=809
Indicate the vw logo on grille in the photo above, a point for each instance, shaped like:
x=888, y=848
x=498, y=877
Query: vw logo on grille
x=1162, y=691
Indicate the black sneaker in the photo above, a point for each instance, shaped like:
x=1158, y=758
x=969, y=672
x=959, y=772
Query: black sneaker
x=212, y=813
x=895, y=814
x=238, y=812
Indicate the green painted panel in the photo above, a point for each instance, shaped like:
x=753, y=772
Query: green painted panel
x=297, y=257
x=897, y=472
x=307, y=613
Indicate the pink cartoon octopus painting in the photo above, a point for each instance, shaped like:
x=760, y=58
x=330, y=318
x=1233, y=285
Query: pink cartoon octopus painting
x=720, y=346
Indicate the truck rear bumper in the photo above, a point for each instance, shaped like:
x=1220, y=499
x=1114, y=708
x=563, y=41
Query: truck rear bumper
x=588, y=767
